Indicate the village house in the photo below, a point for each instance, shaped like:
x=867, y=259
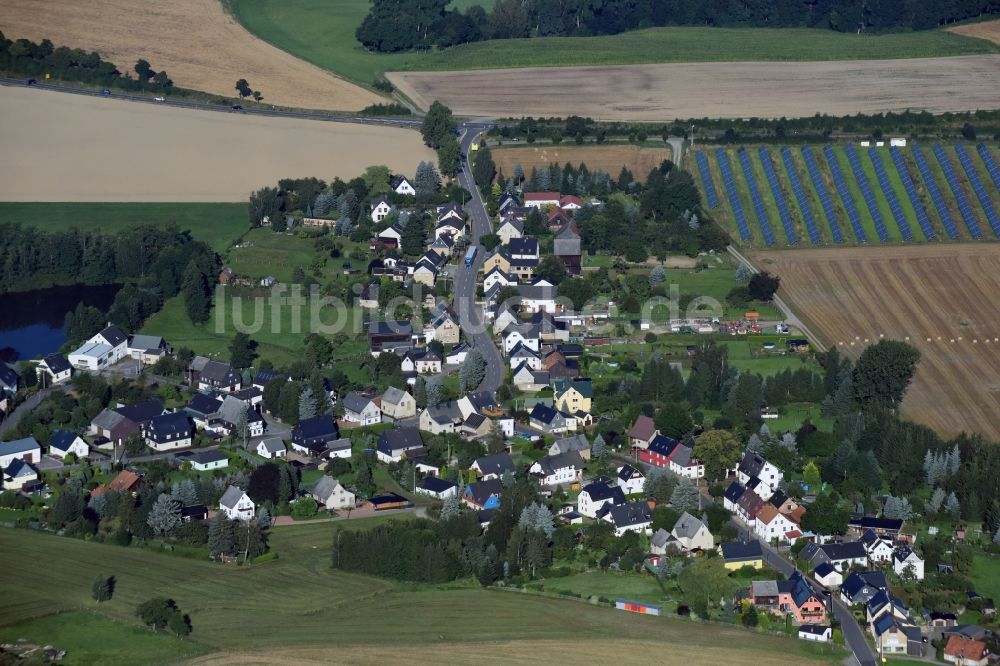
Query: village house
x=773, y=526
x=548, y=420
x=332, y=495
x=498, y=259
x=65, y=442
x=595, y=496
x=576, y=443
x=510, y=228
x=147, y=348
x=443, y=245
x=380, y=208
x=18, y=474
x=521, y=354
x=214, y=375
x=683, y=463
x=9, y=380
x=841, y=555
x=754, y=466
x=391, y=236
x=483, y=494
x=437, y=488
x=815, y=632
x=204, y=461
x=906, y=562
x=54, y=369
x=126, y=481
x=860, y=587
x=497, y=276
x=525, y=335
x=444, y=326
x=794, y=596
x=440, y=418
x=271, y=448
x=692, y=534
x=389, y=336
x=493, y=466
x=339, y=448
x=573, y=396
x=236, y=504
x=525, y=247
x=642, y=432
x=450, y=226
x=963, y=651
x=401, y=185
x=566, y=248
x=101, y=350
x=896, y=636
x=425, y=272
x=457, y=354
x=739, y=554
x=631, y=480
x=630, y=517
x=542, y=200
x=421, y=362
x=393, y=445
x=398, y=404
x=827, y=576
x=886, y=528
x=562, y=468
x=537, y=298
x=658, y=451
x=529, y=381
x=169, y=431
x=361, y=410
x=312, y=436
x=878, y=549
x=233, y=411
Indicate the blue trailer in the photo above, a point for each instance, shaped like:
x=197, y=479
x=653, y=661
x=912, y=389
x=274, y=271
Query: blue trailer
x=470, y=255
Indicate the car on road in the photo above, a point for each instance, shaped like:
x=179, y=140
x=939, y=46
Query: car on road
x=160, y=99
x=105, y=92
x=236, y=107
x=30, y=82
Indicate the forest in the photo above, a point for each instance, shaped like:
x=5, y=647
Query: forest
x=405, y=25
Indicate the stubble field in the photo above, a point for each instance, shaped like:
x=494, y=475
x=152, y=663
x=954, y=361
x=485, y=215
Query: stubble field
x=988, y=30
x=610, y=159
x=60, y=147
x=714, y=90
x=944, y=300
x=195, y=41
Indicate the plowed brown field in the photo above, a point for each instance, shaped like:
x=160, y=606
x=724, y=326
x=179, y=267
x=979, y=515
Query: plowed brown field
x=195, y=41
x=988, y=30
x=944, y=300
x=610, y=159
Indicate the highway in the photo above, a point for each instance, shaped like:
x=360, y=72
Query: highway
x=469, y=313
x=250, y=108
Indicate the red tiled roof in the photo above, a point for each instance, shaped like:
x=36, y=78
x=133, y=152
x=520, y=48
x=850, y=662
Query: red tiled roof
x=541, y=196
x=125, y=481
x=966, y=648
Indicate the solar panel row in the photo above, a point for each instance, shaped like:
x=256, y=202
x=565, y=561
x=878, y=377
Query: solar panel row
x=956, y=189
x=779, y=196
x=911, y=191
x=942, y=210
x=800, y=196
x=824, y=196
x=706, y=180
x=758, y=203
x=845, y=194
x=734, y=199
x=890, y=195
x=977, y=187
x=990, y=163
x=866, y=192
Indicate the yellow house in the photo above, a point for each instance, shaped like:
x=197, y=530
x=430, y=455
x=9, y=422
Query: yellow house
x=736, y=555
x=572, y=396
x=498, y=259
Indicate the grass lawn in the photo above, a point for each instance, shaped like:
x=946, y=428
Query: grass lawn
x=634, y=587
x=217, y=224
x=298, y=600
x=986, y=575
x=323, y=33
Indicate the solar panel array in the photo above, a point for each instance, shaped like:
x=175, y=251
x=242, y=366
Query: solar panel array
x=911, y=191
x=758, y=203
x=963, y=203
x=734, y=199
x=824, y=196
x=890, y=195
x=706, y=180
x=990, y=163
x=866, y=192
x=845, y=194
x=977, y=187
x=779, y=196
x=800, y=196
x=942, y=210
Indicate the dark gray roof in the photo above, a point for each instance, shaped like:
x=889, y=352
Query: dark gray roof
x=602, y=491
x=631, y=513
x=169, y=427
x=113, y=335
x=62, y=439
x=18, y=446
x=205, y=457
x=736, y=551
x=687, y=526
x=141, y=412
x=495, y=464
x=56, y=363
x=399, y=440
x=355, y=402
x=435, y=485
x=550, y=464
x=231, y=497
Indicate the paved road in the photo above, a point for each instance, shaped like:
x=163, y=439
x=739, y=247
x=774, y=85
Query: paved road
x=29, y=404
x=469, y=313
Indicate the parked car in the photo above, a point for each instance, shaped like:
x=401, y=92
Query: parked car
x=30, y=82
x=160, y=99
x=236, y=107
x=105, y=92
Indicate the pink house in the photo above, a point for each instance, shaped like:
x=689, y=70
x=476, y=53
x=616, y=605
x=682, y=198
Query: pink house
x=795, y=596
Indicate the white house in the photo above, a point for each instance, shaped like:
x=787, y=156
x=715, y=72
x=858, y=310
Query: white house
x=437, y=488
x=773, y=525
x=393, y=445
x=65, y=442
x=236, y=504
x=53, y=369
x=361, y=410
x=169, y=431
x=595, y=496
x=630, y=479
x=17, y=474
x=537, y=298
x=753, y=465
x=498, y=276
x=401, y=185
x=692, y=534
x=521, y=353
x=104, y=349
x=205, y=461
x=332, y=495
x=905, y=557
x=380, y=209
x=630, y=517
x=272, y=447
x=509, y=229
x=815, y=632
x=558, y=469
x=26, y=449
x=524, y=334
x=879, y=549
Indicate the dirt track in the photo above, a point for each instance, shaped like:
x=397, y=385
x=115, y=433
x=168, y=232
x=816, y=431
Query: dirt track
x=195, y=41
x=944, y=300
x=714, y=90
x=60, y=147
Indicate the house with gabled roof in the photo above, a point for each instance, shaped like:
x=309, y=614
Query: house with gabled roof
x=595, y=496
x=894, y=635
x=54, y=369
x=692, y=534
x=100, y=350
x=26, y=449
x=525, y=247
x=754, y=466
x=451, y=211
x=236, y=504
x=332, y=495
x=450, y=226
x=642, y=431
x=773, y=526
x=573, y=395
x=18, y=474
x=749, y=504
x=493, y=466
x=437, y=488
x=963, y=651
x=527, y=380
x=548, y=420
x=906, y=561
x=312, y=436
x=576, y=443
x=887, y=528
x=827, y=576
x=169, y=431
x=522, y=354
x=389, y=336
x=732, y=496
x=509, y=229
x=393, y=445
x=231, y=412
x=562, y=468
x=860, y=587
x=65, y=442
x=841, y=555
x=658, y=451
x=442, y=417
x=398, y=404
x=483, y=494
x=204, y=461
x=631, y=479
x=542, y=200
x=630, y=517
x=507, y=200
x=739, y=554
x=127, y=481
x=361, y=410
x=215, y=375
x=147, y=348
x=402, y=186
x=795, y=596
x=271, y=448
x=525, y=335
x=380, y=208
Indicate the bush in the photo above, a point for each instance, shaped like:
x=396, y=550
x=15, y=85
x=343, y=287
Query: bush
x=650, y=337
x=304, y=508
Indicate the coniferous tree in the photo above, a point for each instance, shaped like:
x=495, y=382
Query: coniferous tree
x=195, y=290
x=165, y=515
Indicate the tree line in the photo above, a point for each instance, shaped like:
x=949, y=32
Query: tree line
x=406, y=25
x=24, y=56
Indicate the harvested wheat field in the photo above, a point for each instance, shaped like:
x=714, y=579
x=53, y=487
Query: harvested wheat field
x=198, y=44
x=714, y=90
x=988, y=30
x=609, y=159
x=944, y=300
x=60, y=147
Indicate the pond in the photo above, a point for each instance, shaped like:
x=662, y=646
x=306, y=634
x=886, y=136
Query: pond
x=31, y=322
